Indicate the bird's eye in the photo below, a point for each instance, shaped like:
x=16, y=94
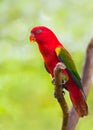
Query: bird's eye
x=38, y=31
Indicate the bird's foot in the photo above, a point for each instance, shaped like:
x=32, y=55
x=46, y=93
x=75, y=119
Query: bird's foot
x=64, y=82
x=62, y=85
x=53, y=81
x=63, y=92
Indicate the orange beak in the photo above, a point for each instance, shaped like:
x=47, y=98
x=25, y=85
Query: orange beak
x=32, y=37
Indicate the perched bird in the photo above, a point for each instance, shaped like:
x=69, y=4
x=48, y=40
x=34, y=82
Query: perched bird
x=54, y=52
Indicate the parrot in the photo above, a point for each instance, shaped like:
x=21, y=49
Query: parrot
x=53, y=52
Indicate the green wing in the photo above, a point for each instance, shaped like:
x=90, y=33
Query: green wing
x=66, y=58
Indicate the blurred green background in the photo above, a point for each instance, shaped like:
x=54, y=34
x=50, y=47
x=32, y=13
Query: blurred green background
x=26, y=92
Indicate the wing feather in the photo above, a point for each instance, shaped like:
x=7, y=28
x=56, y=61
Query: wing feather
x=66, y=58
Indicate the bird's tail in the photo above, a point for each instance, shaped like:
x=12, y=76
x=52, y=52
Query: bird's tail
x=78, y=100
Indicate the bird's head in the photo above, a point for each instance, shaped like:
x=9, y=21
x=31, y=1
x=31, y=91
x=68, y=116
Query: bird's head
x=42, y=34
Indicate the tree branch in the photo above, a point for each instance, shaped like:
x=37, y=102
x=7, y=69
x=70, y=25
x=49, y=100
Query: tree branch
x=86, y=83
x=59, y=94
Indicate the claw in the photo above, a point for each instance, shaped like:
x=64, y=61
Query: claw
x=63, y=82
x=53, y=81
x=63, y=92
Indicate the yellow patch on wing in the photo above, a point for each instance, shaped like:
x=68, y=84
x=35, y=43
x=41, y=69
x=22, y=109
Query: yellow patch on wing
x=58, y=50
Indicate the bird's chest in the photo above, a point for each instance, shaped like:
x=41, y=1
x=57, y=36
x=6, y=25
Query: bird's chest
x=51, y=60
x=51, y=63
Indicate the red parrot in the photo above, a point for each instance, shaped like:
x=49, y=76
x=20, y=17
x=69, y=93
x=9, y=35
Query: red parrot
x=54, y=52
